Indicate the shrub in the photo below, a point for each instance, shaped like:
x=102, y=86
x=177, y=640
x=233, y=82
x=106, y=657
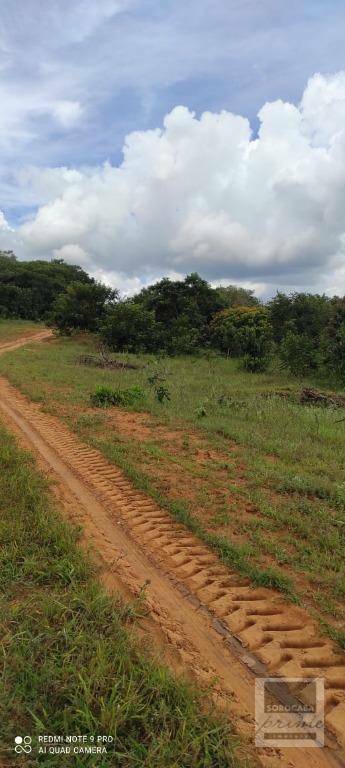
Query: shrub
x=81, y=307
x=236, y=296
x=299, y=354
x=255, y=364
x=105, y=397
x=334, y=340
x=181, y=338
x=162, y=393
x=157, y=382
x=336, y=353
x=128, y=327
x=28, y=289
x=244, y=332
x=303, y=313
x=161, y=318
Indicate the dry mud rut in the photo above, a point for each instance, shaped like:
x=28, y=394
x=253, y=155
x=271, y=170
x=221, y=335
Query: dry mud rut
x=210, y=620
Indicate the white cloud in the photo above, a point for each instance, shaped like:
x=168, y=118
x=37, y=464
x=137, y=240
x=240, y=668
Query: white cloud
x=9, y=240
x=21, y=113
x=202, y=194
x=48, y=82
x=66, y=112
x=82, y=18
x=73, y=254
x=128, y=286
x=4, y=227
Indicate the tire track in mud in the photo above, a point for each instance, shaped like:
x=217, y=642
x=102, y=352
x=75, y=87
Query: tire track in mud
x=223, y=622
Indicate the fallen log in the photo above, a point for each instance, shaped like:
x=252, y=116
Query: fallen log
x=103, y=362
x=309, y=396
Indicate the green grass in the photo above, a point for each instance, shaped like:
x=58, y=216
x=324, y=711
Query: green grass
x=270, y=498
x=12, y=329
x=71, y=662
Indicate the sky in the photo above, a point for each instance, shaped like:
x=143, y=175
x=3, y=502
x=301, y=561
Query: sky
x=142, y=138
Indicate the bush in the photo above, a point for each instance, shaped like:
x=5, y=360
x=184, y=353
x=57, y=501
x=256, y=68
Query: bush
x=162, y=393
x=336, y=353
x=334, y=340
x=128, y=327
x=28, y=289
x=306, y=314
x=135, y=326
x=157, y=381
x=299, y=354
x=105, y=397
x=182, y=310
x=81, y=307
x=181, y=338
x=244, y=332
x=236, y=296
x=255, y=364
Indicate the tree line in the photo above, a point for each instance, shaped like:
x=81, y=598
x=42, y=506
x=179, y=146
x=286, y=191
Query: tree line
x=305, y=331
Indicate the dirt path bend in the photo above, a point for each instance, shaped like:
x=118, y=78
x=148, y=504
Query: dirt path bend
x=220, y=626
x=29, y=336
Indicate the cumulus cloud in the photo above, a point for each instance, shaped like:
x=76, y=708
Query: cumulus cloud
x=9, y=240
x=204, y=194
x=4, y=227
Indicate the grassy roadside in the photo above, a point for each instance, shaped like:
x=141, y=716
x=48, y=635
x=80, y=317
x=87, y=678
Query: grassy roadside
x=70, y=660
x=232, y=455
x=13, y=329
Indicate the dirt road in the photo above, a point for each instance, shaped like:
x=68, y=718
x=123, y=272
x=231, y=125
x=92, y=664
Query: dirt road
x=218, y=626
x=27, y=337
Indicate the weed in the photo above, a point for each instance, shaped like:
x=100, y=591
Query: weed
x=157, y=382
x=201, y=411
x=105, y=397
x=162, y=393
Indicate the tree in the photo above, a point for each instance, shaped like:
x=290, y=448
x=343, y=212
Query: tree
x=301, y=313
x=299, y=353
x=8, y=255
x=298, y=322
x=16, y=302
x=183, y=310
x=244, y=332
x=130, y=327
x=334, y=339
x=81, y=307
x=236, y=296
x=29, y=288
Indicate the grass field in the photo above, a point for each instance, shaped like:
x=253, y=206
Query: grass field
x=12, y=329
x=70, y=660
x=233, y=455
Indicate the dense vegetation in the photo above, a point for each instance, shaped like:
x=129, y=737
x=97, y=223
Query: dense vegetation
x=244, y=332
x=173, y=316
x=306, y=332
x=28, y=289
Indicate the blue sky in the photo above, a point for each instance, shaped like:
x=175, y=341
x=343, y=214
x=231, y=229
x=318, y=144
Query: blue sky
x=129, y=63
x=77, y=77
